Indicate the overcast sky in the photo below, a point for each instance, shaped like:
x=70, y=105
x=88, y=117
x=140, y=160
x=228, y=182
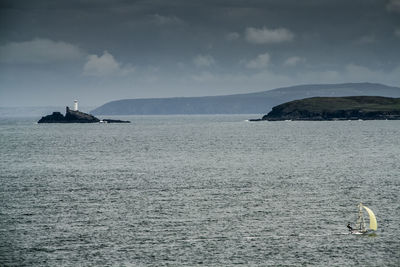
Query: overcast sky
x=54, y=51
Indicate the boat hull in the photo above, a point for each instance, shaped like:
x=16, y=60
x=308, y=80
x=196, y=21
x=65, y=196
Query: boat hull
x=357, y=232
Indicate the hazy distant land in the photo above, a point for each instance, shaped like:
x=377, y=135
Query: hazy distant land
x=252, y=103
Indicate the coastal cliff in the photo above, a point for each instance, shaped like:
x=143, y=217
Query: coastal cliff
x=337, y=108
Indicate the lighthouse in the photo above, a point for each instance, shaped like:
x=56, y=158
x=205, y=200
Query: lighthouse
x=75, y=105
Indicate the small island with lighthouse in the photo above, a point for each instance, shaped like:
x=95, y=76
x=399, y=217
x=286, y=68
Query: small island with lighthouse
x=75, y=116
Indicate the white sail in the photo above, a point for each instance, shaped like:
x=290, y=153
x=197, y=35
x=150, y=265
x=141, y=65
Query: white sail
x=373, y=225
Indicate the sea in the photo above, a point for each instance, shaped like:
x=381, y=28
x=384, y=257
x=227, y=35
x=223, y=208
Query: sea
x=198, y=190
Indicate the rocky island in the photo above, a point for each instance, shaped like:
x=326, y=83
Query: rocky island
x=75, y=116
x=337, y=108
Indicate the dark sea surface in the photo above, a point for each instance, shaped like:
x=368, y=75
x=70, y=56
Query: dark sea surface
x=197, y=190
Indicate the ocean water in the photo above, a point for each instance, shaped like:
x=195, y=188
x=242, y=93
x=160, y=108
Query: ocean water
x=197, y=191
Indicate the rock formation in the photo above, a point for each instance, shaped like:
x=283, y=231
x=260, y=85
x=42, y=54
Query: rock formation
x=71, y=116
x=74, y=116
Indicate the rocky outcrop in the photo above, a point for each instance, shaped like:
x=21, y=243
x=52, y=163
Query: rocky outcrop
x=71, y=116
x=53, y=118
x=337, y=108
x=74, y=116
x=77, y=116
x=114, y=121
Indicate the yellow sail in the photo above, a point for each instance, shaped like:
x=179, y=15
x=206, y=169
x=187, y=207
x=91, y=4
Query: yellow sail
x=373, y=225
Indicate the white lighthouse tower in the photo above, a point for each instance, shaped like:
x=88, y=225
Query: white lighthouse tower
x=75, y=105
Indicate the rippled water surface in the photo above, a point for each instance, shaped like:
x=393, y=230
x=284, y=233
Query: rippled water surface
x=197, y=190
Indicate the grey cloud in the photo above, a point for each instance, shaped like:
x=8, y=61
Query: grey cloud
x=165, y=20
x=268, y=36
x=39, y=51
x=393, y=6
x=367, y=39
x=105, y=65
x=203, y=61
x=293, y=61
x=232, y=36
x=260, y=62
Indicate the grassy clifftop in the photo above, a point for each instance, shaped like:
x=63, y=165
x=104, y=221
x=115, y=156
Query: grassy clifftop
x=337, y=108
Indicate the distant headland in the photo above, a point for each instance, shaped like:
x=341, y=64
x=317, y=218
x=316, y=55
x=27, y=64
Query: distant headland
x=336, y=108
x=249, y=103
x=75, y=116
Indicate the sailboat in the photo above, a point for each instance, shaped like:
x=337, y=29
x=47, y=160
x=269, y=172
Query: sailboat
x=360, y=227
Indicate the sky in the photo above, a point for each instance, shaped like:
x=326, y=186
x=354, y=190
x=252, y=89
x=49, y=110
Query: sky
x=54, y=51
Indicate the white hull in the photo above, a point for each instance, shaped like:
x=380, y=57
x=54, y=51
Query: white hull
x=358, y=233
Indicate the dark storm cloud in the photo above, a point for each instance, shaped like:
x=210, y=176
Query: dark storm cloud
x=172, y=48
